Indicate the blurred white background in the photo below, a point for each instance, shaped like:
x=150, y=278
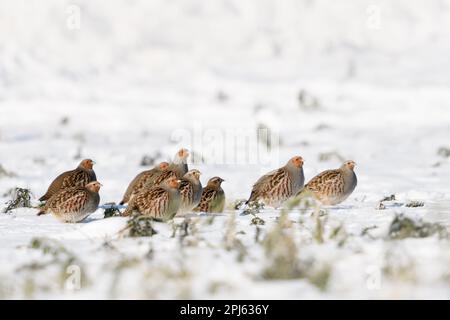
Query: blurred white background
x=52, y=49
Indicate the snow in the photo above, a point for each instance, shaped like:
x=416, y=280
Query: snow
x=142, y=77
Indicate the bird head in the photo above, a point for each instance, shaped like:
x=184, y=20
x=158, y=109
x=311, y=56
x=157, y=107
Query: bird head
x=215, y=181
x=173, y=183
x=297, y=161
x=94, y=186
x=163, y=166
x=182, y=154
x=350, y=164
x=87, y=164
x=194, y=173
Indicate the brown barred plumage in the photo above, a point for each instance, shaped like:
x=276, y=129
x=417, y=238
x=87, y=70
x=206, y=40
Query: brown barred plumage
x=73, y=204
x=190, y=191
x=332, y=187
x=213, y=197
x=159, y=202
x=275, y=187
x=79, y=177
x=141, y=180
x=177, y=169
x=163, y=176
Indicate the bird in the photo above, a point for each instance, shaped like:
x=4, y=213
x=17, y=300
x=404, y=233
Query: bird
x=179, y=163
x=158, y=202
x=73, y=204
x=177, y=169
x=332, y=187
x=190, y=191
x=277, y=186
x=213, y=197
x=78, y=177
x=143, y=178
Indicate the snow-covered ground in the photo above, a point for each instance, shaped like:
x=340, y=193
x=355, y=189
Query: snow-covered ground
x=126, y=79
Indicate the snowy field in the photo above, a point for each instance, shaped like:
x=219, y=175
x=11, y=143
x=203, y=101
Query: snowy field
x=119, y=80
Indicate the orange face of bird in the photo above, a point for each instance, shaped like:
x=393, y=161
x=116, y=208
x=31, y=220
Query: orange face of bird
x=183, y=153
x=94, y=186
x=173, y=183
x=350, y=164
x=87, y=164
x=163, y=166
x=297, y=161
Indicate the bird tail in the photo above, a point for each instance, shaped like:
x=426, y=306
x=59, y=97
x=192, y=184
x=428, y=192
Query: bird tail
x=41, y=212
x=253, y=197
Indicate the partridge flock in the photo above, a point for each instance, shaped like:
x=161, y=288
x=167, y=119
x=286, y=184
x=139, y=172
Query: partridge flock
x=171, y=189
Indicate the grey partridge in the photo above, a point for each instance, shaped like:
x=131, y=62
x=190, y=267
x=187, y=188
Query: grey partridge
x=74, y=204
x=159, y=202
x=190, y=191
x=277, y=186
x=332, y=187
x=78, y=177
x=213, y=197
